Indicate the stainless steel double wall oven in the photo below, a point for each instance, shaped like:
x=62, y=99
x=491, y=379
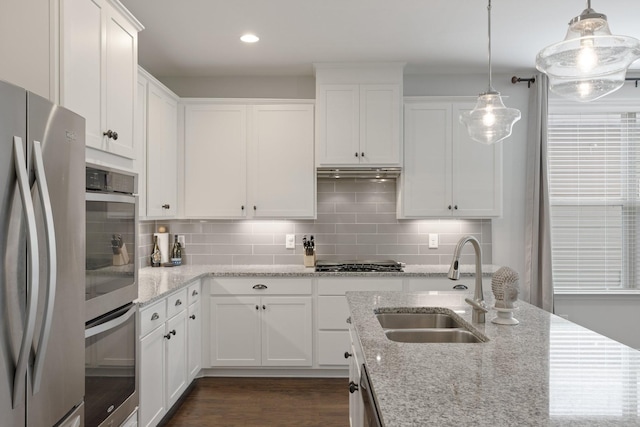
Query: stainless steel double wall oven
x=111, y=288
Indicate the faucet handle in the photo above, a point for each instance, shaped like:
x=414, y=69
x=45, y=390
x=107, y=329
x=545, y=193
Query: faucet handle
x=477, y=305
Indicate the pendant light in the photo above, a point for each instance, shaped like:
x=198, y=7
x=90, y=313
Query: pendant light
x=490, y=121
x=590, y=62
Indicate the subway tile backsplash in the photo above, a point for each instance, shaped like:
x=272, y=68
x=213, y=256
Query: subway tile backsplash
x=356, y=220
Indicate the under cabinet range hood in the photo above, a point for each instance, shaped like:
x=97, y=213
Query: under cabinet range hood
x=364, y=173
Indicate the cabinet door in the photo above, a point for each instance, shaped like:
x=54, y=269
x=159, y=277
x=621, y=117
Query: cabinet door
x=194, y=327
x=286, y=331
x=176, y=357
x=380, y=112
x=152, y=377
x=281, y=168
x=162, y=133
x=234, y=331
x=426, y=178
x=338, y=115
x=477, y=178
x=215, y=161
x=121, y=81
x=82, y=64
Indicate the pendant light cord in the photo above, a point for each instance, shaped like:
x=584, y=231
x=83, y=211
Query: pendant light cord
x=491, y=89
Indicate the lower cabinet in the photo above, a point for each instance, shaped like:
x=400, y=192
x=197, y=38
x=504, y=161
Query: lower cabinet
x=333, y=335
x=168, y=341
x=356, y=407
x=267, y=330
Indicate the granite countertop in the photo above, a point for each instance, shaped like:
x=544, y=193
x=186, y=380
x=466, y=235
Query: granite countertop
x=156, y=282
x=545, y=371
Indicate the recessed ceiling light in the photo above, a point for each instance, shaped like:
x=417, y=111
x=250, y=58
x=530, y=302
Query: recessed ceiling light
x=249, y=38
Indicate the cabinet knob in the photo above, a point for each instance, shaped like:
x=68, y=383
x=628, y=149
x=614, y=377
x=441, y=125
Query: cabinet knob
x=178, y=303
x=353, y=387
x=455, y=207
x=356, y=154
x=264, y=307
x=168, y=336
x=166, y=206
x=111, y=134
x=449, y=207
x=173, y=332
x=347, y=355
x=349, y=320
x=242, y=207
x=257, y=308
x=194, y=293
x=193, y=317
x=362, y=154
x=255, y=207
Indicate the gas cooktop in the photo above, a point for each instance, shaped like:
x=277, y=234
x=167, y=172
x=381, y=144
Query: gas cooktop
x=359, y=266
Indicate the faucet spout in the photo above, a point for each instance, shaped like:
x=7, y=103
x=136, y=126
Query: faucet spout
x=478, y=304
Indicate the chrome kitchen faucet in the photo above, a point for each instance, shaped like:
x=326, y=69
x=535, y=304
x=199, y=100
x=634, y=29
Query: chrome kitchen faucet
x=478, y=304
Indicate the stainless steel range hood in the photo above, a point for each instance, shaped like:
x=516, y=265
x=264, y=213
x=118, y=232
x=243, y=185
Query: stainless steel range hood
x=364, y=173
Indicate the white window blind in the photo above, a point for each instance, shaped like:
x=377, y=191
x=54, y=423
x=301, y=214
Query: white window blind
x=593, y=165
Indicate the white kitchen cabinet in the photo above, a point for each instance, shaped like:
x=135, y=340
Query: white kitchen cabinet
x=261, y=323
x=99, y=60
x=194, y=331
x=167, y=340
x=446, y=173
x=161, y=151
x=359, y=125
x=215, y=156
x=356, y=405
x=248, y=160
x=140, y=142
x=333, y=311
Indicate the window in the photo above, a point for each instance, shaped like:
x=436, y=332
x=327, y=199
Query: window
x=594, y=172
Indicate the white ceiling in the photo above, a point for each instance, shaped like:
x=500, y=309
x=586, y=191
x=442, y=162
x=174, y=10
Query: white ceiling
x=186, y=38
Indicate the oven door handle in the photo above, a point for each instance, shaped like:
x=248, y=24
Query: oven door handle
x=110, y=324
x=52, y=262
x=20, y=375
x=109, y=197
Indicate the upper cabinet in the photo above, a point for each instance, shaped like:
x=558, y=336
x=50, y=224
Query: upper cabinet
x=157, y=137
x=359, y=115
x=98, y=77
x=446, y=173
x=248, y=159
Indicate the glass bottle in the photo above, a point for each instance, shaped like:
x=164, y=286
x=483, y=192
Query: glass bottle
x=156, y=257
x=176, y=252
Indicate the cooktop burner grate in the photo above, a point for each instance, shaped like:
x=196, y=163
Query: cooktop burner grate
x=358, y=266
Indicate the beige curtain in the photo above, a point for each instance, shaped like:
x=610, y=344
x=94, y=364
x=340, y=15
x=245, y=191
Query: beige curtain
x=538, y=278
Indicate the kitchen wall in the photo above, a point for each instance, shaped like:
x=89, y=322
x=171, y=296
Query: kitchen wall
x=356, y=220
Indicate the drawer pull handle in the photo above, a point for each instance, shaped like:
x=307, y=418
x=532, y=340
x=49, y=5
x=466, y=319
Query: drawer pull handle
x=178, y=302
x=193, y=317
x=259, y=286
x=349, y=320
x=166, y=206
x=155, y=316
x=353, y=387
x=194, y=293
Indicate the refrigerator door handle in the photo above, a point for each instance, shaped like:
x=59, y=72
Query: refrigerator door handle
x=45, y=201
x=20, y=376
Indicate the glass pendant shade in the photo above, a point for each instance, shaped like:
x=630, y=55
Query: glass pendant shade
x=490, y=121
x=590, y=62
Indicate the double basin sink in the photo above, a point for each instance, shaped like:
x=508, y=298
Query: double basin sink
x=427, y=325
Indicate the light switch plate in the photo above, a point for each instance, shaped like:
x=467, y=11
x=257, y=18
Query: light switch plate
x=433, y=241
x=290, y=241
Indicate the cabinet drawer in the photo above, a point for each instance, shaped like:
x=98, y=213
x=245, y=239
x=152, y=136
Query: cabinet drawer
x=193, y=292
x=261, y=286
x=176, y=303
x=339, y=286
x=331, y=347
x=153, y=316
x=332, y=312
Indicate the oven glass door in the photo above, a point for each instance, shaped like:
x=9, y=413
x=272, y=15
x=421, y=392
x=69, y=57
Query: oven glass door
x=111, y=247
x=110, y=364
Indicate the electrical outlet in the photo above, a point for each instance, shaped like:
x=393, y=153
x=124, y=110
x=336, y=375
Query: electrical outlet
x=290, y=241
x=181, y=240
x=433, y=241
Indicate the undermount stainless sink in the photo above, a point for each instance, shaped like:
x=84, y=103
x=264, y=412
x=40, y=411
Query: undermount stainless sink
x=429, y=325
x=452, y=335
x=417, y=320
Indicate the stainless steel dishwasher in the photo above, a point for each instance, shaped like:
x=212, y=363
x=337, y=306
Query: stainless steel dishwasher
x=371, y=414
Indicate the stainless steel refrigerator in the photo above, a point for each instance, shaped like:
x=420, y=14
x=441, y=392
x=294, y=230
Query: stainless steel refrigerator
x=42, y=235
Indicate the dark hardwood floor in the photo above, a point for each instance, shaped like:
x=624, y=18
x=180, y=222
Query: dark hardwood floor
x=277, y=402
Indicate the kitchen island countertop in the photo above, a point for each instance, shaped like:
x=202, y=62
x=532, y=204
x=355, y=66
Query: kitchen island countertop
x=156, y=282
x=545, y=371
